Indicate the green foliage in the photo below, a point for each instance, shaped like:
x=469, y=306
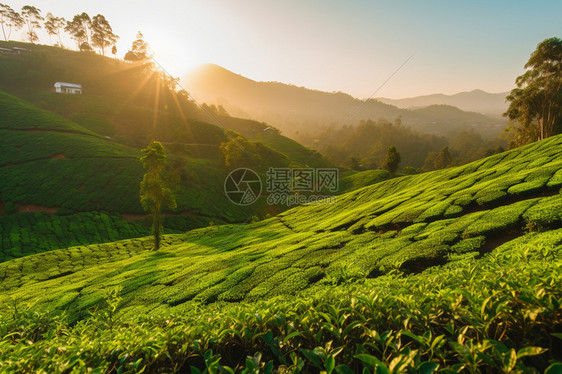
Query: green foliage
x=239, y=152
x=16, y=113
x=457, y=318
x=417, y=273
x=10, y=207
x=536, y=103
x=365, y=178
x=392, y=159
x=24, y=234
x=51, y=164
x=155, y=194
x=369, y=141
x=443, y=159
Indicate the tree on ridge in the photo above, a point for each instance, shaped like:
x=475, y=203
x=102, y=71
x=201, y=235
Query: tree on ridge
x=536, y=103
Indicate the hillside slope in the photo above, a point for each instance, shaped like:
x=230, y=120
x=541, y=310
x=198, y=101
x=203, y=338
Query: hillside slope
x=68, y=154
x=131, y=103
x=408, y=224
x=450, y=271
x=51, y=167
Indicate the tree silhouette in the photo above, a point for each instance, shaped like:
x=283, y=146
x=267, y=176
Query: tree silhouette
x=9, y=19
x=139, y=50
x=31, y=16
x=102, y=34
x=392, y=159
x=536, y=103
x=53, y=25
x=154, y=192
x=79, y=29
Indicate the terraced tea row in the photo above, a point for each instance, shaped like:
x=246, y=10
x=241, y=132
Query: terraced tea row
x=29, y=233
x=490, y=315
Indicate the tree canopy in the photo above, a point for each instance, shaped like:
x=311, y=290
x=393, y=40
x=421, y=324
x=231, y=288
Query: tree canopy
x=536, y=103
x=32, y=18
x=139, y=50
x=79, y=29
x=9, y=20
x=102, y=33
x=154, y=191
x=392, y=159
x=53, y=25
x=443, y=159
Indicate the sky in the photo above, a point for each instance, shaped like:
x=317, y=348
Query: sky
x=353, y=46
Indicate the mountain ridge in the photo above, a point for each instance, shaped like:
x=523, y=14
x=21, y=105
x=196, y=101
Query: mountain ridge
x=482, y=101
x=297, y=110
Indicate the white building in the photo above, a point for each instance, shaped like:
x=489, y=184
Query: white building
x=71, y=88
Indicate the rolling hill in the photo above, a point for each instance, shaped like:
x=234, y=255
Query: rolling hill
x=68, y=156
x=415, y=273
x=54, y=170
x=299, y=111
x=130, y=103
x=473, y=101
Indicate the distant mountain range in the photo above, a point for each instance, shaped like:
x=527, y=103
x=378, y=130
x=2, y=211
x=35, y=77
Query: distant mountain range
x=473, y=101
x=301, y=112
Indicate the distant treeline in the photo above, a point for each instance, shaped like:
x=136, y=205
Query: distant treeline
x=364, y=146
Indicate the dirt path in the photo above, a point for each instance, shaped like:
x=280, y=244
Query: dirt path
x=32, y=208
x=50, y=131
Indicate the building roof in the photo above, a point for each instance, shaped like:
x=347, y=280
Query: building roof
x=73, y=85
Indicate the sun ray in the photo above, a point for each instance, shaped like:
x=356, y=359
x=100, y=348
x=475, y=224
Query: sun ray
x=156, y=105
x=182, y=115
x=136, y=91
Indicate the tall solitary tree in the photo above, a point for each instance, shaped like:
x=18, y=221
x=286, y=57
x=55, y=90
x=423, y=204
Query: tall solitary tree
x=102, y=34
x=32, y=18
x=9, y=20
x=53, y=25
x=536, y=103
x=392, y=159
x=154, y=191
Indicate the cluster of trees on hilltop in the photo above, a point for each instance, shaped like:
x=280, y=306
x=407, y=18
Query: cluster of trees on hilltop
x=88, y=32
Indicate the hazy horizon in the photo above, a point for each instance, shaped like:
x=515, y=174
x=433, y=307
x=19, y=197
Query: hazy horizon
x=331, y=46
x=196, y=69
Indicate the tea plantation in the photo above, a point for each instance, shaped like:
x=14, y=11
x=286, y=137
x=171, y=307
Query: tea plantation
x=55, y=165
x=457, y=270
